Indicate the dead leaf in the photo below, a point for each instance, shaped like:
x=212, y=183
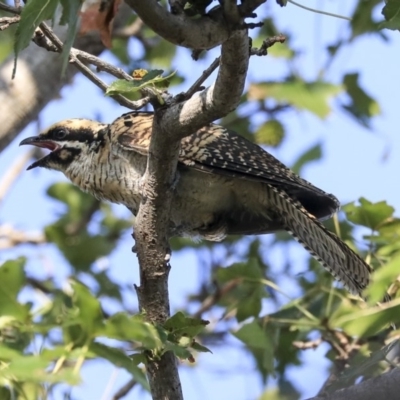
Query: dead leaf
x=98, y=16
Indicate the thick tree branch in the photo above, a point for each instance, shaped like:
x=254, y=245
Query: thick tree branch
x=386, y=386
x=151, y=235
x=201, y=33
x=152, y=223
x=217, y=100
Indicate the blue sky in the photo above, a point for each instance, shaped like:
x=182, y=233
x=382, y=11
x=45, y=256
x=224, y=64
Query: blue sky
x=357, y=162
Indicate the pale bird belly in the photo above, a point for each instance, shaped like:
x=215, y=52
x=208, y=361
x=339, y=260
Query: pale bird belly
x=198, y=198
x=212, y=205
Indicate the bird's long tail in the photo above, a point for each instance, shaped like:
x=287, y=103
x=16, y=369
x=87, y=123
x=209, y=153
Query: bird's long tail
x=345, y=265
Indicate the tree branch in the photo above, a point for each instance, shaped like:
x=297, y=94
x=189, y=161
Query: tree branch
x=201, y=33
x=217, y=100
x=384, y=386
x=10, y=237
x=152, y=222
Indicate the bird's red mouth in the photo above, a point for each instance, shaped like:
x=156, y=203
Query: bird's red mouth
x=46, y=144
x=43, y=143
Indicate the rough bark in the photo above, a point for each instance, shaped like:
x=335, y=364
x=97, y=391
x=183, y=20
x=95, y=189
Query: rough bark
x=202, y=33
x=151, y=231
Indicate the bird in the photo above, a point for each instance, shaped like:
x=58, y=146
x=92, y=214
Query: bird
x=224, y=185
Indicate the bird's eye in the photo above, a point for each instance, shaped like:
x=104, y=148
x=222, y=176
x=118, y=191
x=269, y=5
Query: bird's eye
x=60, y=134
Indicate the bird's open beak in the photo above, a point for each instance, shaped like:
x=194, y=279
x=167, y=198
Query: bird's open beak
x=40, y=142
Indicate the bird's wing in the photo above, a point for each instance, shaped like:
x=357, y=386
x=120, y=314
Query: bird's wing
x=214, y=149
x=133, y=131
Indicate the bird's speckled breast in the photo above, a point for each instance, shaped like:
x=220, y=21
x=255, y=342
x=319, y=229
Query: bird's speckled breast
x=110, y=175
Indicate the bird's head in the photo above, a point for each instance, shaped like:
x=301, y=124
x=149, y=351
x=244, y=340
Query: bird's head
x=69, y=141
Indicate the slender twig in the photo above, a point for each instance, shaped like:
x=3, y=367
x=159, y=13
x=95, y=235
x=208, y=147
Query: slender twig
x=76, y=55
x=10, y=237
x=124, y=390
x=39, y=285
x=40, y=39
x=345, y=347
x=9, y=9
x=267, y=43
x=100, y=64
x=100, y=84
x=216, y=296
x=6, y=22
x=196, y=87
x=319, y=11
x=311, y=344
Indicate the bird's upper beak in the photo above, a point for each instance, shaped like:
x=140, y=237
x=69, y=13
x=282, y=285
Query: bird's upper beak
x=40, y=142
x=43, y=142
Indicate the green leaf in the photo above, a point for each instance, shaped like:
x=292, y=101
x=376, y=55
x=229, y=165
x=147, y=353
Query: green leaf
x=120, y=359
x=33, y=13
x=247, y=297
x=181, y=325
x=249, y=270
x=256, y=338
x=271, y=133
x=361, y=20
x=370, y=321
x=124, y=327
x=180, y=351
x=77, y=201
x=86, y=320
x=12, y=278
x=30, y=368
x=382, y=279
x=250, y=305
x=311, y=96
x=80, y=247
x=362, y=106
x=391, y=12
x=70, y=16
x=200, y=348
x=152, y=78
x=313, y=154
x=371, y=215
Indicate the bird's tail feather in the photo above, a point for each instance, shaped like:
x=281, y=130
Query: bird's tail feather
x=342, y=262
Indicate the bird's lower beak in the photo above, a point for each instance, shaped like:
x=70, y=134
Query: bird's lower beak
x=40, y=142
